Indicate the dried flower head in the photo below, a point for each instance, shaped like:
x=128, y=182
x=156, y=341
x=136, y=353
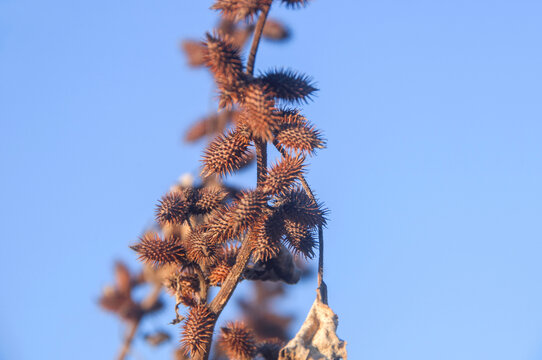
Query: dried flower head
x=154, y=251
x=237, y=341
x=197, y=329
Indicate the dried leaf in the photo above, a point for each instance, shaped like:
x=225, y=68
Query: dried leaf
x=317, y=338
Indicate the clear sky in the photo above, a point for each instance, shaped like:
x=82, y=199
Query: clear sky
x=433, y=171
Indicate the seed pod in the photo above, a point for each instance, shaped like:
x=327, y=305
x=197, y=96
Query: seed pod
x=300, y=238
x=154, y=251
x=288, y=85
x=297, y=206
x=223, y=58
x=219, y=273
x=237, y=341
x=200, y=250
x=209, y=198
x=265, y=237
x=238, y=10
x=197, y=330
x=295, y=4
x=225, y=154
x=173, y=208
x=258, y=111
x=283, y=175
x=247, y=208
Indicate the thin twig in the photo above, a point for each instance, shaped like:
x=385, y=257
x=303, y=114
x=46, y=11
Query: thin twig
x=256, y=39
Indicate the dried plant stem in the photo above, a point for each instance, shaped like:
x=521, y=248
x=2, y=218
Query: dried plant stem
x=228, y=286
x=322, y=287
x=148, y=303
x=256, y=39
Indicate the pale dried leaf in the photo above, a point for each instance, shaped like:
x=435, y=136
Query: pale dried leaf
x=317, y=338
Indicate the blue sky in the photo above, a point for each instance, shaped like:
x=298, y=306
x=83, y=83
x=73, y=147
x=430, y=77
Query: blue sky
x=432, y=111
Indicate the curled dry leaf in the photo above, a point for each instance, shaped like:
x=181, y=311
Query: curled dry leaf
x=317, y=338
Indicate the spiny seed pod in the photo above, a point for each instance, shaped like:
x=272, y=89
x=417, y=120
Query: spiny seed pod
x=195, y=52
x=300, y=239
x=221, y=227
x=247, y=208
x=265, y=237
x=209, y=198
x=302, y=139
x=240, y=9
x=219, y=273
x=297, y=206
x=288, y=85
x=258, y=112
x=200, y=250
x=295, y=4
x=269, y=349
x=172, y=208
x=197, y=330
x=154, y=251
x=237, y=341
x=225, y=154
x=282, y=175
x=231, y=92
x=274, y=30
x=182, y=285
x=228, y=253
x=223, y=58
x=291, y=117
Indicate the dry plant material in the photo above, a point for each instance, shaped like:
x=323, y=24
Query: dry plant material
x=237, y=341
x=212, y=235
x=317, y=338
x=197, y=330
x=154, y=251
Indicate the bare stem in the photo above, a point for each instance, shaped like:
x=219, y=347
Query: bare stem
x=256, y=39
x=322, y=287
